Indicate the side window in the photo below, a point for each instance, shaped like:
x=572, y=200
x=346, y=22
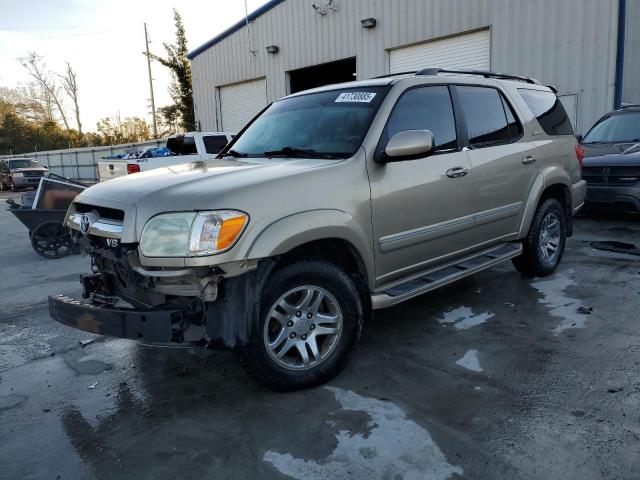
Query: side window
x=214, y=143
x=425, y=108
x=489, y=118
x=548, y=109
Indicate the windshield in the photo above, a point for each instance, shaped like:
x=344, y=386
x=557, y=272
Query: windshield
x=323, y=125
x=23, y=164
x=624, y=127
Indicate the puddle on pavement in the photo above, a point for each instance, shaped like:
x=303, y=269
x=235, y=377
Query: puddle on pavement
x=463, y=318
x=559, y=303
x=85, y=365
x=394, y=447
x=470, y=361
x=616, y=247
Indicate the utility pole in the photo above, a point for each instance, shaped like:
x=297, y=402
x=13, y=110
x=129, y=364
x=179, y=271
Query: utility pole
x=153, y=102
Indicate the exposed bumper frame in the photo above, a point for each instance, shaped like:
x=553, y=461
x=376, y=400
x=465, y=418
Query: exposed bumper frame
x=154, y=326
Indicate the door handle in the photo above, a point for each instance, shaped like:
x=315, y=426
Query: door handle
x=528, y=160
x=457, y=172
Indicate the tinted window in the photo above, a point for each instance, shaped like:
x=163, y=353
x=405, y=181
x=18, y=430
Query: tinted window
x=426, y=108
x=214, y=143
x=515, y=128
x=622, y=127
x=490, y=120
x=182, y=145
x=548, y=109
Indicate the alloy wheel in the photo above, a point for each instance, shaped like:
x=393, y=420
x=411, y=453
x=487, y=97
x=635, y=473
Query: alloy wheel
x=303, y=327
x=550, y=238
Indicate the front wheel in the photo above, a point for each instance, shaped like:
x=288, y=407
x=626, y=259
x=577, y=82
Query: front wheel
x=308, y=326
x=544, y=245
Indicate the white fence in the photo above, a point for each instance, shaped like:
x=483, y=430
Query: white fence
x=80, y=163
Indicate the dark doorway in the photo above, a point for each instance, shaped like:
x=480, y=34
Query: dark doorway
x=323, y=74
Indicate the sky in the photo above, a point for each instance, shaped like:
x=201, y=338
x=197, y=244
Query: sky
x=104, y=40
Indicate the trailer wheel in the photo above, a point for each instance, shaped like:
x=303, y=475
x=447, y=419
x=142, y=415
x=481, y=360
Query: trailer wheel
x=51, y=240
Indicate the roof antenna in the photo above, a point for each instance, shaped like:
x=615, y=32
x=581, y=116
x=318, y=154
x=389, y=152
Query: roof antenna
x=246, y=18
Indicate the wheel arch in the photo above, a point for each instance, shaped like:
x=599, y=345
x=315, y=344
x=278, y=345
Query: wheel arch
x=331, y=235
x=552, y=183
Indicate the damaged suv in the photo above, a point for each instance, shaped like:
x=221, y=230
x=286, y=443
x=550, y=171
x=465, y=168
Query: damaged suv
x=331, y=203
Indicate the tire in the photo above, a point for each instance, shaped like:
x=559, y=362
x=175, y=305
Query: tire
x=339, y=310
x=542, y=251
x=51, y=240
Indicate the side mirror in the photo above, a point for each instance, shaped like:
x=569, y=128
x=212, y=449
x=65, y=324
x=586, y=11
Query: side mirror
x=409, y=145
x=579, y=138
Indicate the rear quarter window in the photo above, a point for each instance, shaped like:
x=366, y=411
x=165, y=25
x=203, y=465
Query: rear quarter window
x=548, y=110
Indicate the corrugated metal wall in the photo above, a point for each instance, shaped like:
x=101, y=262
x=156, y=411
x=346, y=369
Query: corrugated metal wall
x=569, y=43
x=631, y=88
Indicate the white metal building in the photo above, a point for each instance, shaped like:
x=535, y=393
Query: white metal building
x=292, y=45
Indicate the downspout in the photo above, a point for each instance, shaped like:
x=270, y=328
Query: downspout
x=622, y=23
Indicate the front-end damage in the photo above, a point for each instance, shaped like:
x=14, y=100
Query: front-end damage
x=208, y=306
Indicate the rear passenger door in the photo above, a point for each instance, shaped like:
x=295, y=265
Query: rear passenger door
x=420, y=214
x=502, y=162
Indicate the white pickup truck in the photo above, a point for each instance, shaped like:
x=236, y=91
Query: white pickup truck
x=184, y=148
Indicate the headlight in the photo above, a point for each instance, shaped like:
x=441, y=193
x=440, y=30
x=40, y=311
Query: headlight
x=18, y=174
x=189, y=234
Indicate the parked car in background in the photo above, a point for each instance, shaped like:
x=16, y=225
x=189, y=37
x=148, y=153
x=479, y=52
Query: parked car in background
x=17, y=173
x=332, y=202
x=612, y=161
x=185, y=148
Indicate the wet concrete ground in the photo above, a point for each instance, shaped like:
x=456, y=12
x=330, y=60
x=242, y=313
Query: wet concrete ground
x=496, y=377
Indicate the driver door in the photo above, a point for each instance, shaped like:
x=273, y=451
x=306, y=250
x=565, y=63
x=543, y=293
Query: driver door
x=422, y=209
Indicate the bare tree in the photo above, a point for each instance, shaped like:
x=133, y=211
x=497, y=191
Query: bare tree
x=36, y=68
x=70, y=86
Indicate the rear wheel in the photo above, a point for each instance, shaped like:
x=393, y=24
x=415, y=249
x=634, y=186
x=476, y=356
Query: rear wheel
x=308, y=326
x=544, y=245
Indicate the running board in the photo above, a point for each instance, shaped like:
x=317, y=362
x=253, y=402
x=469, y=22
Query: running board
x=444, y=275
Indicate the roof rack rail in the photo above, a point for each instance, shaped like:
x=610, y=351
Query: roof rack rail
x=414, y=72
x=502, y=76
x=630, y=106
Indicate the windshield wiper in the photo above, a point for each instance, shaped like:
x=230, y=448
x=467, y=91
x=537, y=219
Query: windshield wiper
x=298, y=152
x=234, y=153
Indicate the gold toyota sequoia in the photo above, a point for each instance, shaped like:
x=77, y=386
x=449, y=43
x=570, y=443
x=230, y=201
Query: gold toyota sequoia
x=331, y=203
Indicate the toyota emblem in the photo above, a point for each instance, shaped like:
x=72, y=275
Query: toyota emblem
x=84, y=224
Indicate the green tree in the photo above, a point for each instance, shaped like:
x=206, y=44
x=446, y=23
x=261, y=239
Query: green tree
x=115, y=130
x=169, y=120
x=181, y=89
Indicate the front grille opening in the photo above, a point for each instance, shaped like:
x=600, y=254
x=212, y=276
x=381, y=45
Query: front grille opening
x=104, y=212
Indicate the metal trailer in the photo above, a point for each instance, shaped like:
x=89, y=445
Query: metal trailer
x=47, y=233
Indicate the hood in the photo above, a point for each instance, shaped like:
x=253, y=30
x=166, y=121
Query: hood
x=611, y=154
x=192, y=186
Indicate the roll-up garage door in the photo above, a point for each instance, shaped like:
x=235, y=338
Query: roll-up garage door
x=471, y=51
x=240, y=102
